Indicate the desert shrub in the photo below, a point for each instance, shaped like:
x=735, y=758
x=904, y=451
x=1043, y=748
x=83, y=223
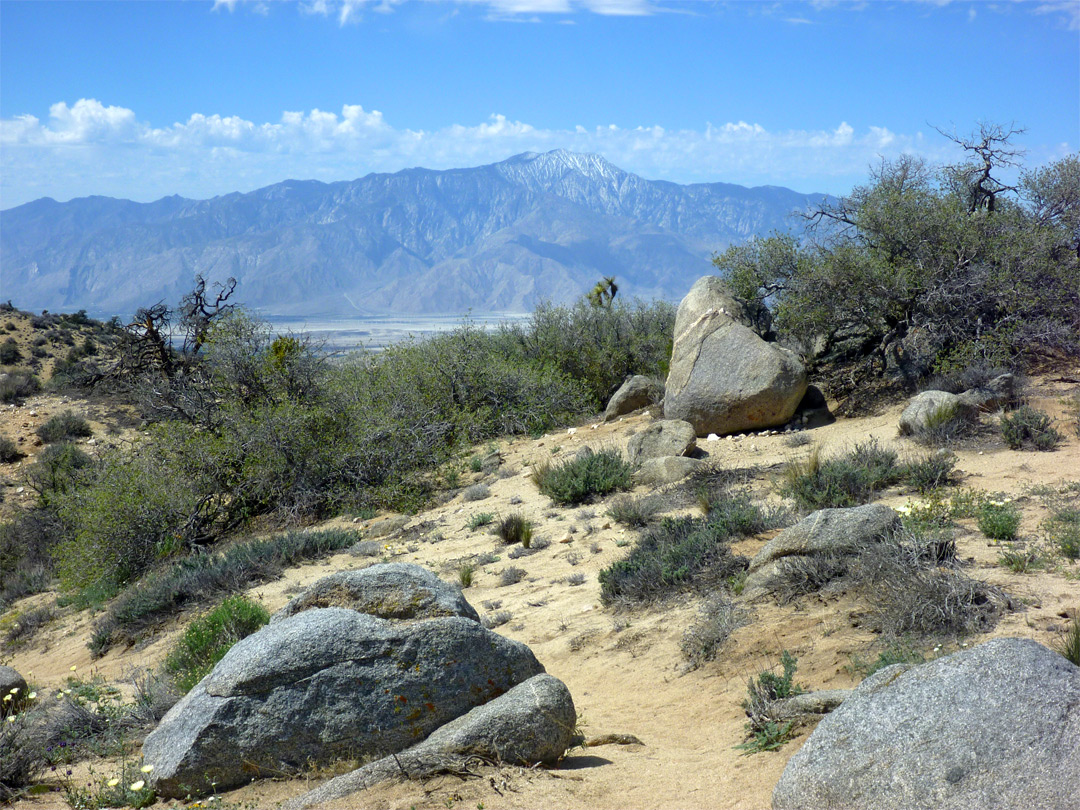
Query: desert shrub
x=682, y=550
x=477, y=492
x=895, y=652
x=481, y=519
x=65, y=425
x=944, y=427
x=583, y=478
x=465, y=575
x=127, y=514
x=511, y=576
x=764, y=730
x=930, y=472
x=958, y=378
x=634, y=512
x=9, y=451
x=597, y=346
x=207, y=639
x=1069, y=644
x=199, y=578
x=514, y=528
x=9, y=352
x=22, y=746
x=18, y=385
x=25, y=624
x=58, y=469
x=1019, y=559
x=999, y=520
x=848, y=480
x=912, y=594
x=26, y=543
x=1027, y=427
x=717, y=619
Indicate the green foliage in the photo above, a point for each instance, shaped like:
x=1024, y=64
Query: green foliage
x=848, y=480
x=581, y=479
x=681, y=551
x=9, y=352
x=17, y=386
x=943, y=427
x=65, y=425
x=514, y=528
x=9, y=451
x=198, y=578
x=1027, y=427
x=906, y=274
x=57, y=471
x=127, y=514
x=764, y=732
x=895, y=652
x=465, y=575
x=1018, y=559
x=999, y=520
x=1069, y=644
x=929, y=473
x=596, y=346
x=1063, y=527
x=207, y=639
x=633, y=512
x=481, y=519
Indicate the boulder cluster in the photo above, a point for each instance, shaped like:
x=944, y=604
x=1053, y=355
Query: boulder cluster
x=389, y=660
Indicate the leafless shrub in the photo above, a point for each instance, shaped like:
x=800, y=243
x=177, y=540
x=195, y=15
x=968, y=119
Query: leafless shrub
x=576, y=579
x=511, y=576
x=717, y=620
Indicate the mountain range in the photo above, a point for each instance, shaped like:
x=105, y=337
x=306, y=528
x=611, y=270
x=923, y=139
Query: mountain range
x=494, y=238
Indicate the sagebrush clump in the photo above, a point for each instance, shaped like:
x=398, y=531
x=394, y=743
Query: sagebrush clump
x=583, y=478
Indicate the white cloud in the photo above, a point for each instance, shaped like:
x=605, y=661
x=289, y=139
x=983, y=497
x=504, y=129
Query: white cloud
x=90, y=148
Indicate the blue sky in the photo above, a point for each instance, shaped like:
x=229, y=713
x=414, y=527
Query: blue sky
x=145, y=99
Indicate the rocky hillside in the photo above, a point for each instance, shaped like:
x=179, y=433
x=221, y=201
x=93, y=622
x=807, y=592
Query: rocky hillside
x=491, y=238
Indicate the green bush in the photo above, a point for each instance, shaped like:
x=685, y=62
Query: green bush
x=1019, y=560
x=1027, y=427
x=583, y=478
x=896, y=652
x=634, y=512
x=9, y=352
x=999, y=520
x=26, y=543
x=930, y=472
x=680, y=551
x=481, y=519
x=1069, y=645
x=129, y=512
x=766, y=733
x=944, y=427
x=9, y=451
x=17, y=386
x=201, y=577
x=596, y=346
x=514, y=528
x=207, y=639
x=58, y=469
x=848, y=480
x=65, y=425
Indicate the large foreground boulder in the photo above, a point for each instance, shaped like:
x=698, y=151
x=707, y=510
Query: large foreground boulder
x=830, y=533
x=328, y=684
x=994, y=726
x=532, y=723
x=390, y=591
x=723, y=378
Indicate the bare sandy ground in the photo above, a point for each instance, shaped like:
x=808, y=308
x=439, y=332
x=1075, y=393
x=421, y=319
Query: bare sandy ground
x=625, y=669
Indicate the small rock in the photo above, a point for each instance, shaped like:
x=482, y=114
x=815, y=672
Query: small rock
x=567, y=538
x=712, y=437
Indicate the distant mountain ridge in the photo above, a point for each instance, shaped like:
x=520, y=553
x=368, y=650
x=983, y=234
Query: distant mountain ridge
x=492, y=238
